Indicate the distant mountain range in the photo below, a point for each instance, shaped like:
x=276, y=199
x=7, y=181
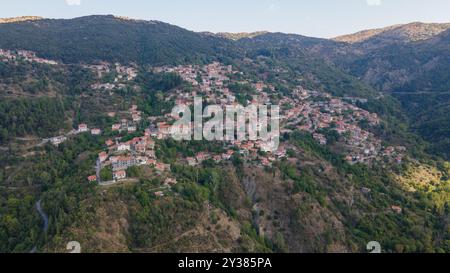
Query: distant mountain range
x=397, y=58
x=402, y=63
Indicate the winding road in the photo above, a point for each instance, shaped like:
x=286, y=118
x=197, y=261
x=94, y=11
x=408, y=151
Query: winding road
x=43, y=215
x=44, y=218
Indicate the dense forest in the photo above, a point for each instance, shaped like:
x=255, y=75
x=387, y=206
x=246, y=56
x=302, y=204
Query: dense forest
x=109, y=38
x=30, y=117
x=428, y=115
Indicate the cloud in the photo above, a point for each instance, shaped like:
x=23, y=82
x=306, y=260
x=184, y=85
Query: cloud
x=374, y=2
x=273, y=6
x=73, y=2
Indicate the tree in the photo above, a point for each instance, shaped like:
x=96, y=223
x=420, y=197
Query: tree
x=106, y=174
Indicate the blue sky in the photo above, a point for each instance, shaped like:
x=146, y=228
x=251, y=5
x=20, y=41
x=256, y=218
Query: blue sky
x=318, y=18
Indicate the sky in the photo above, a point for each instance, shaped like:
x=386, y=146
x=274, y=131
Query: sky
x=317, y=18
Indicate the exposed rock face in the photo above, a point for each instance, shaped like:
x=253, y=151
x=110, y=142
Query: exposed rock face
x=241, y=35
x=19, y=19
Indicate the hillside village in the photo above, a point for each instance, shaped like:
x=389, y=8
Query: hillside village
x=23, y=55
x=316, y=113
x=121, y=75
x=305, y=110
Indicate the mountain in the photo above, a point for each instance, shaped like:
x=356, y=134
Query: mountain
x=241, y=35
x=398, y=58
x=407, y=33
x=399, y=66
x=111, y=38
x=407, y=58
x=403, y=58
x=411, y=62
x=309, y=57
x=117, y=39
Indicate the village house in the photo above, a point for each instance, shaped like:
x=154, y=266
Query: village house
x=114, y=159
x=151, y=162
x=191, y=161
x=280, y=153
x=397, y=209
x=136, y=117
x=260, y=86
x=118, y=175
x=92, y=178
x=58, y=140
x=103, y=156
x=109, y=142
x=170, y=181
x=150, y=153
x=142, y=160
x=320, y=138
x=103, y=86
x=96, y=132
x=227, y=155
x=162, y=167
x=159, y=194
x=123, y=162
x=202, y=156
x=131, y=129
x=82, y=128
x=265, y=162
x=389, y=150
x=116, y=127
x=244, y=152
x=247, y=146
x=153, y=131
x=140, y=147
